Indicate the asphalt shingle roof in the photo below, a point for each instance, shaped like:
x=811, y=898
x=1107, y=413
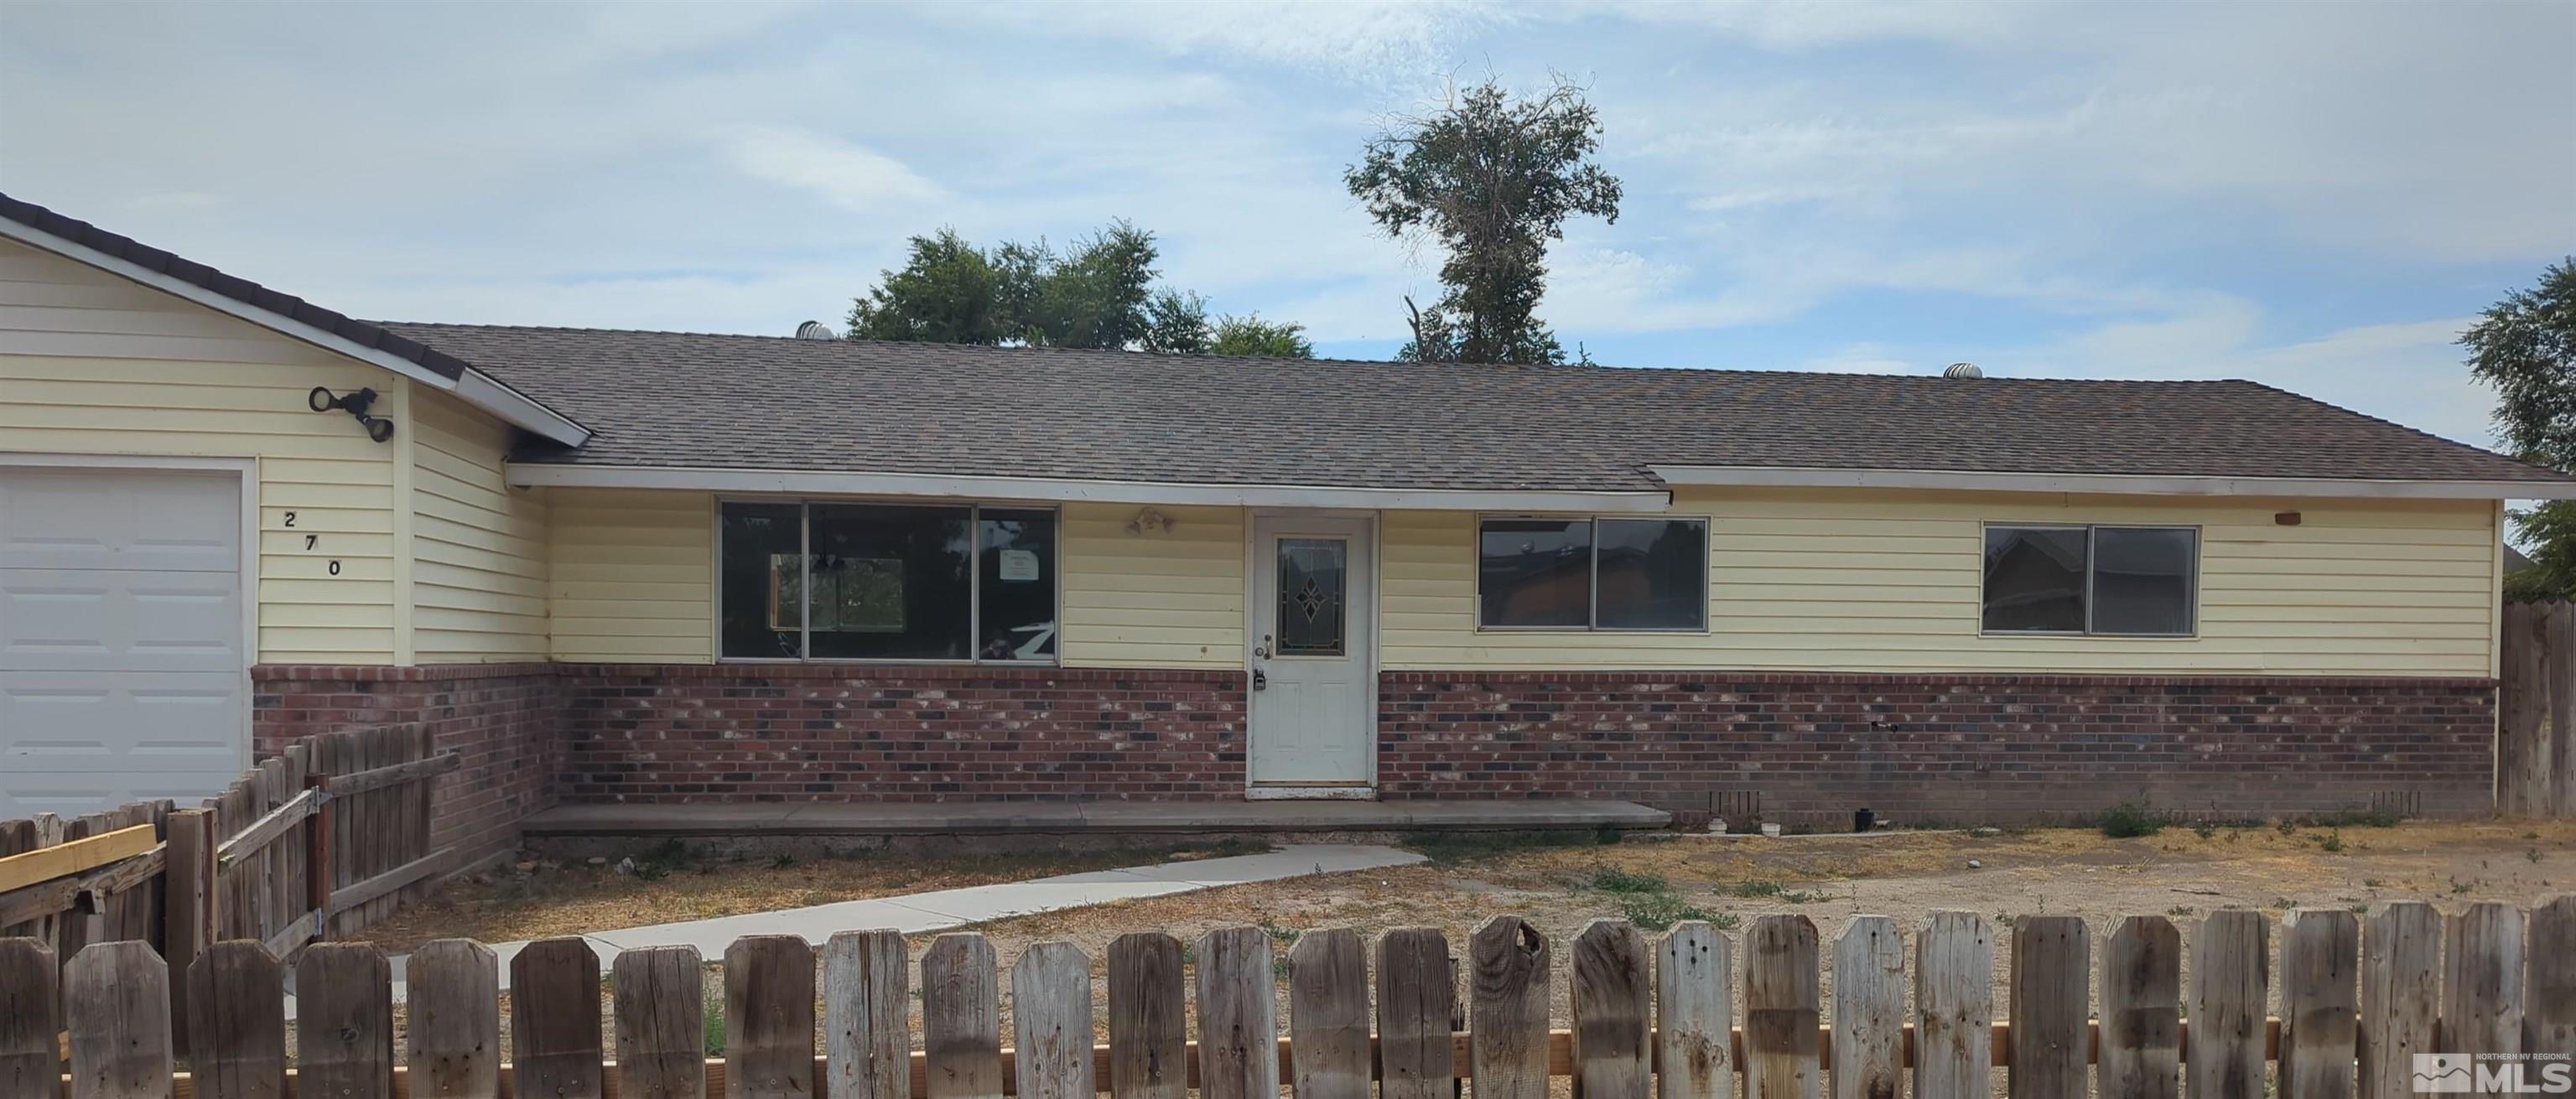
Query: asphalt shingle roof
x=754, y=402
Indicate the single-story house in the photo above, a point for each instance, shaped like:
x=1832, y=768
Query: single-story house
x=665, y=567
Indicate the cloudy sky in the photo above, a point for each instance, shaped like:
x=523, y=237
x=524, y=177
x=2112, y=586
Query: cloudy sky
x=2309, y=194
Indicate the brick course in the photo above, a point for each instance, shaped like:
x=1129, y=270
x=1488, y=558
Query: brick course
x=1957, y=747
x=779, y=732
x=502, y=720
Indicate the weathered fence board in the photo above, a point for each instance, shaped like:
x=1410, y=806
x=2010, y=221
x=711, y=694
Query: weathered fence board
x=2141, y=994
x=1954, y=1007
x=1869, y=1010
x=2051, y=957
x=344, y=1022
x=769, y=1017
x=2549, y=979
x=1414, y=1002
x=454, y=1038
x=116, y=999
x=961, y=1018
x=554, y=1019
x=2536, y=711
x=238, y=991
x=2230, y=978
x=1507, y=1005
x=867, y=1015
x=1051, y=1022
x=2482, y=975
x=1238, y=1024
x=28, y=1021
x=1612, y=1002
x=1782, y=1007
x=2320, y=1003
x=1148, y=1016
x=2401, y=996
x=1328, y=1015
x=1694, y=1013
x=660, y=1006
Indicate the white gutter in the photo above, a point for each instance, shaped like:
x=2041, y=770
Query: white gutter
x=2109, y=483
x=541, y=474
x=489, y=394
x=475, y=388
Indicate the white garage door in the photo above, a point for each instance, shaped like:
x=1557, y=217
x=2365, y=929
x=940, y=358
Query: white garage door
x=121, y=664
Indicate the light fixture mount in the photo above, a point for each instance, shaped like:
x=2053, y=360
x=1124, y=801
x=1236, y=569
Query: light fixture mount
x=355, y=404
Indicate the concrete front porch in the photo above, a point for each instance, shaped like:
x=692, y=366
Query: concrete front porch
x=582, y=827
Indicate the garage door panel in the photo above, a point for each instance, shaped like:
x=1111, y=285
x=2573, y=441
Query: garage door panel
x=121, y=638
x=120, y=519
x=71, y=732
x=101, y=620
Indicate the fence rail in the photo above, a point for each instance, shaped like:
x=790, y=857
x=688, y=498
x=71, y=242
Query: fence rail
x=1652, y=1017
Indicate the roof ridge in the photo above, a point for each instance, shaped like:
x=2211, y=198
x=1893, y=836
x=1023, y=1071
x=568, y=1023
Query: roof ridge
x=941, y=347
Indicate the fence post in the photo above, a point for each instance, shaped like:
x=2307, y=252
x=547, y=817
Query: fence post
x=187, y=918
x=317, y=855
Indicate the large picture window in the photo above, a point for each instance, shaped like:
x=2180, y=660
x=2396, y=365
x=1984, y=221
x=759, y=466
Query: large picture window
x=1597, y=573
x=2135, y=581
x=854, y=581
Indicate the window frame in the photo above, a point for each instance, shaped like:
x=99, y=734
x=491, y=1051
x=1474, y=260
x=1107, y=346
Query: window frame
x=2192, y=583
x=1707, y=581
x=805, y=552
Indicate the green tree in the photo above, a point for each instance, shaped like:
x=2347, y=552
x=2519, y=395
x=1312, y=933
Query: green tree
x=1176, y=323
x=2525, y=347
x=1492, y=179
x=949, y=292
x=1250, y=335
x=1099, y=294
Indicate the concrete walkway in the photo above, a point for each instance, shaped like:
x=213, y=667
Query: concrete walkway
x=948, y=908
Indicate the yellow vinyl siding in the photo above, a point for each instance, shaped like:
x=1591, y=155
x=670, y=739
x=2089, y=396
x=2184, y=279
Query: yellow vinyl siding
x=1170, y=598
x=1871, y=581
x=632, y=576
x=479, y=546
x=93, y=364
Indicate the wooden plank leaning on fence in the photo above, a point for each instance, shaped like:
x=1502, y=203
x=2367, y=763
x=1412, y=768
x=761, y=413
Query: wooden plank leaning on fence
x=2341, y=993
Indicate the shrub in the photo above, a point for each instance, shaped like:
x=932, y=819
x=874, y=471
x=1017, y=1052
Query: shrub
x=2129, y=820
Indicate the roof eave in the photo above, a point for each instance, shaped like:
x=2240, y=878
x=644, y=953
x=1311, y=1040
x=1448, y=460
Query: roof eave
x=470, y=385
x=1070, y=490
x=2116, y=484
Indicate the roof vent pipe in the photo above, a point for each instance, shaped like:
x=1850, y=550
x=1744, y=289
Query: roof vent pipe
x=1963, y=370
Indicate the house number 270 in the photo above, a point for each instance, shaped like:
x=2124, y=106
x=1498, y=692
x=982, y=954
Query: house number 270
x=310, y=541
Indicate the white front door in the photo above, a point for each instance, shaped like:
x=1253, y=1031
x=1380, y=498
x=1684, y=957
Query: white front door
x=1312, y=638
x=121, y=641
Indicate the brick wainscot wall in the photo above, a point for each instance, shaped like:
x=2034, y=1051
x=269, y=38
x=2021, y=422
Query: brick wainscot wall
x=782, y=732
x=1917, y=748
x=1958, y=748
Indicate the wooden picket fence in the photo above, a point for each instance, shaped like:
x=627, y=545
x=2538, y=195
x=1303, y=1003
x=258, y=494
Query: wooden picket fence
x=177, y=879
x=1658, y=1016
x=2536, y=711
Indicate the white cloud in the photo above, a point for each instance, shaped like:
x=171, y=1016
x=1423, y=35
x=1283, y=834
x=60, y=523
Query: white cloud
x=849, y=175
